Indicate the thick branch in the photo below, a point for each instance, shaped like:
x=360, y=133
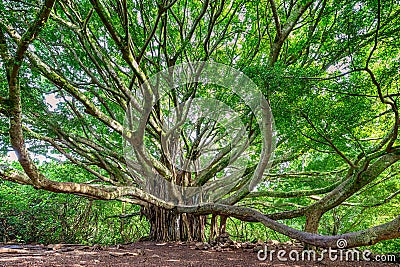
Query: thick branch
x=31, y=34
x=366, y=237
x=294, y=194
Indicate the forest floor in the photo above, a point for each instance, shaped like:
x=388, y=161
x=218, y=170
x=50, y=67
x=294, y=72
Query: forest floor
x=158, y=254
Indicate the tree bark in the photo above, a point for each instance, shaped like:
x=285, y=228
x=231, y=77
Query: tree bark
x=167, y=225
x=213, y=227
x=312, y=222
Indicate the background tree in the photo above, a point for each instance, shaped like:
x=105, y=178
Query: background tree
x=328, y=69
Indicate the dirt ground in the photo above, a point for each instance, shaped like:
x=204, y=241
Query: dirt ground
x=151, y=254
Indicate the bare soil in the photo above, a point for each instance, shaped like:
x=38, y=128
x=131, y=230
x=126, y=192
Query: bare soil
x=150, y=254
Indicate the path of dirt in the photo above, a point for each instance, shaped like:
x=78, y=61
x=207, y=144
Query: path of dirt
x=150, y=254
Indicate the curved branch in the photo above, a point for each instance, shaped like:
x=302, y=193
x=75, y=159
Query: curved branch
x=294, y=194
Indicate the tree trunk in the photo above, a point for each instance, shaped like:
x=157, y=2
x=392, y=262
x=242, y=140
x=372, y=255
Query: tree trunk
x=167, y=225
x=312, y=222
x=222, y=225
x=213, y=227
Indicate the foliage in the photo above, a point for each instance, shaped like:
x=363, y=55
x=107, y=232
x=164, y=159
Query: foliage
x=28, y=215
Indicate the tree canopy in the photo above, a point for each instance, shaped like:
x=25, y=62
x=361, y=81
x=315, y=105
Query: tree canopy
x=72, y=71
